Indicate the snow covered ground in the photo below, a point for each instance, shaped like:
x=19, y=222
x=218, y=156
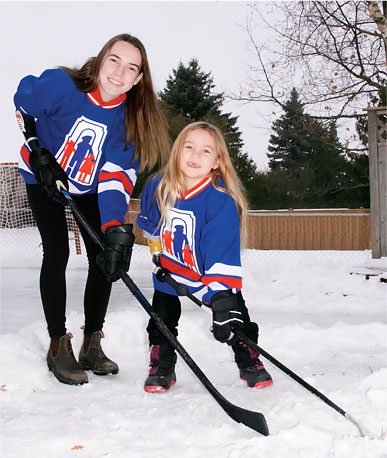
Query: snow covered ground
x=324, y=323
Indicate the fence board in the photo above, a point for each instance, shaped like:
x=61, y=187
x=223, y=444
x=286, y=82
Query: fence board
x=333, y=229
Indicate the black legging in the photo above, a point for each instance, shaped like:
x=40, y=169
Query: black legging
x=51, y=221
x=168, y=308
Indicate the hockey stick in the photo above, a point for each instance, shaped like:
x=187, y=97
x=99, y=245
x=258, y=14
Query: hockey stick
x=182, y=290
x=254, y=420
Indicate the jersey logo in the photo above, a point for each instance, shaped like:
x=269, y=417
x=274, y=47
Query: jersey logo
x=178, y=237
x=81, y=150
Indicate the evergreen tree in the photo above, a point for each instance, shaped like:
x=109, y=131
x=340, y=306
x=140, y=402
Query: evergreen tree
x=356, y=193
x=188, y=97
x=290, y=144
x=309, y=158
x=189, y=92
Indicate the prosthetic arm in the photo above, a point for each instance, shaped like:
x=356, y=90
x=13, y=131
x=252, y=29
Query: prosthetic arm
x=47, y=171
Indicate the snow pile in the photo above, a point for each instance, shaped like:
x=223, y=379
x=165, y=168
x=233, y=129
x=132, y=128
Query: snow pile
x=317, y=315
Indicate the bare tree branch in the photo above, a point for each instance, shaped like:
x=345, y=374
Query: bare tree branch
x=333, y=51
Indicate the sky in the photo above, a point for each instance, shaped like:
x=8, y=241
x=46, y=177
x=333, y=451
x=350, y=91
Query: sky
x=318, y=315
x=40, y=35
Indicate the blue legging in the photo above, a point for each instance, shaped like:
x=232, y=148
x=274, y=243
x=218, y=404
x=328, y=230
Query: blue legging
x=51, y=221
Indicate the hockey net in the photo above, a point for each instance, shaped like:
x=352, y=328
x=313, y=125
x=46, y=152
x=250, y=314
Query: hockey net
x=18, y=231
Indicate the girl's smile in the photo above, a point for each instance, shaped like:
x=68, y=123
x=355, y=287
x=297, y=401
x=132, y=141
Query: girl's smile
x=120, y=70
x=192, y=164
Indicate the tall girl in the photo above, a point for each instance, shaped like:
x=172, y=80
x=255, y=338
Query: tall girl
x=102, y=124
x=195, y=206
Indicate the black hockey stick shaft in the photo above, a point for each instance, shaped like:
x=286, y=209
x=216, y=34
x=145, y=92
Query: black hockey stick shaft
x=254, y=420
x=182, y=290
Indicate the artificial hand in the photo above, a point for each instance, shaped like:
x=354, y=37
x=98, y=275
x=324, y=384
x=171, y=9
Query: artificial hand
x=225, y=315
x=118, y=241
x=48, y=173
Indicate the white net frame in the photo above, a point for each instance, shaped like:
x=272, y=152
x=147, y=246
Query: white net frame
x=18, y=229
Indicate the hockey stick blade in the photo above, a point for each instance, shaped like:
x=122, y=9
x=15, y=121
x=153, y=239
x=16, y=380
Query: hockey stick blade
x=182, y=290
x=253, y=420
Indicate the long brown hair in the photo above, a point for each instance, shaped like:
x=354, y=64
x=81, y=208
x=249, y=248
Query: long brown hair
x=172, y=182
x=144, y=121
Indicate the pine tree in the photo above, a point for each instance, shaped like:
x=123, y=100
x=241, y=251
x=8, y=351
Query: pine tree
x=290, y=144
x=188, y=97
x=309, y=157
x=189, y=92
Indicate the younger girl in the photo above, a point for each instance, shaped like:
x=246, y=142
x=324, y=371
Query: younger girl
x=97, y=126
x=196, y=207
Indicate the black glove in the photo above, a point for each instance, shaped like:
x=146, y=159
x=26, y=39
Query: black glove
x=118, y=242
x=47, y=171
x=225, y=315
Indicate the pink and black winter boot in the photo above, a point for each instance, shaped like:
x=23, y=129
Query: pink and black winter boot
x=251, y=368
x=255, y=373
x=161, y=369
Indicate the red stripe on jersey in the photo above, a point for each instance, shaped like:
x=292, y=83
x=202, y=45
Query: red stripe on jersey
x=120, y=176
x=198, y=188
x=232, y=282
x=25, y=154
x=96, y=99
x=179, y=269
x=113, y=222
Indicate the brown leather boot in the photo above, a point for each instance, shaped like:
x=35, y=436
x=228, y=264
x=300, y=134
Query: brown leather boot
x=94, y=358
x=63, y=363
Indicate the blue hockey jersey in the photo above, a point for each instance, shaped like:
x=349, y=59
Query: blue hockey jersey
x=86, y=137
x=200, y=240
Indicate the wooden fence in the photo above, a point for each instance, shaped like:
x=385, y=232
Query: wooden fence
x=333, y=229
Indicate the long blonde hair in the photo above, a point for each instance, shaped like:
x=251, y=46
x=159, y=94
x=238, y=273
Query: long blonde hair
x=145, y=123
x=172, y=182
